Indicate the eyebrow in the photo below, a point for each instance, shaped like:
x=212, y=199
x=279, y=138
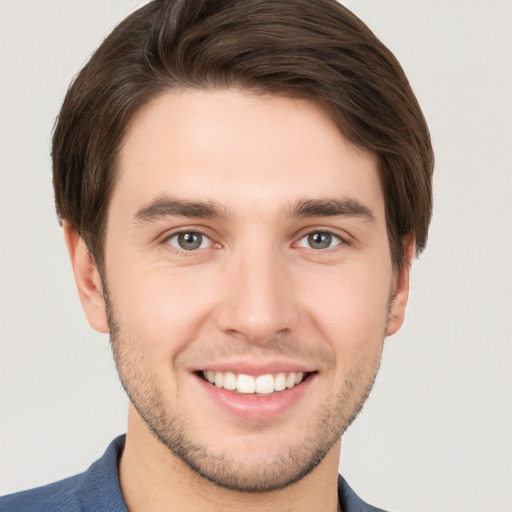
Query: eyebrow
x=171, y=207
x=166, y=206
x=346, y=207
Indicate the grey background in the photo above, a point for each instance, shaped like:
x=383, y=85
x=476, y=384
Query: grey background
x=436, y=435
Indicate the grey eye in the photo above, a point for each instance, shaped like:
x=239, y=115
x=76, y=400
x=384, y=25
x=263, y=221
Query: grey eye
x=319, y=240
x=189, y=241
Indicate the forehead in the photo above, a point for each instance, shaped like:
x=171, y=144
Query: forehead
x=240, y=149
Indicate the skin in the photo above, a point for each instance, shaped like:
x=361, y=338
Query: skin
x=256, y=293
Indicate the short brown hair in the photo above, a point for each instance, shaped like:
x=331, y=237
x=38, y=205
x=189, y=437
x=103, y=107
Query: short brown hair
x=312, y=49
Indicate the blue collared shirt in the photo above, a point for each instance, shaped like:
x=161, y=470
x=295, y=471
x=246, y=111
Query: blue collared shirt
x=98, y=490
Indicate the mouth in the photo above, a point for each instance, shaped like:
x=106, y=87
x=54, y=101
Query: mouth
x=261, y=385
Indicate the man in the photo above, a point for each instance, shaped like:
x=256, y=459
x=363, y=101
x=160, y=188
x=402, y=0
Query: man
x=242, y=187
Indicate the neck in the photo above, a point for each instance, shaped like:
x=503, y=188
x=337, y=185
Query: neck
x=153, y=480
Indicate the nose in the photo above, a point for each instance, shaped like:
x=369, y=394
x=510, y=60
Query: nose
x=258, y=300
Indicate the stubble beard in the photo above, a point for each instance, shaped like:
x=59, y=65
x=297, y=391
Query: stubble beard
x=249, y=473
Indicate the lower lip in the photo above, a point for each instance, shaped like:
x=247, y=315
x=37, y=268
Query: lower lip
x=257, y=407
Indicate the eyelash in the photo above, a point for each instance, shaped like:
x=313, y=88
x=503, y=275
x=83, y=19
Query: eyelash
x=331, y=233
x=194, y=231
x=342, y=241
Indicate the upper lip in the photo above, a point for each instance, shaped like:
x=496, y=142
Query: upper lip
x=255, y=368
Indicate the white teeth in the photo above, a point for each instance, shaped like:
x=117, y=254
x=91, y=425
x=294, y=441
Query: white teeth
x=265, y=384
x=247, y=384
x=219, y=379
x=229, y=381
x=280, y=382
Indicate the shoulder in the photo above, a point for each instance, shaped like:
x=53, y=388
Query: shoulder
x=59, y=496
x=96, y=489
x=350, y=501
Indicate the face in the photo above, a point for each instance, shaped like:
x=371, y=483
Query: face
x=249, y=282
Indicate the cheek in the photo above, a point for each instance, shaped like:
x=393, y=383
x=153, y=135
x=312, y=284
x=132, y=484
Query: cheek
x=163, y=308
x=351, y=307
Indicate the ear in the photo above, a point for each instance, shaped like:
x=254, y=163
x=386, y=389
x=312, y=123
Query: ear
x=87, y=279
x=401, y=295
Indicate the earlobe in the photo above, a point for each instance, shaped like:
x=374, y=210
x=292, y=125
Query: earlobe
x=87, y=279
x=399, y=300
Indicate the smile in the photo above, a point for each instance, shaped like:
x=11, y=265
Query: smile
x=248, y=384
